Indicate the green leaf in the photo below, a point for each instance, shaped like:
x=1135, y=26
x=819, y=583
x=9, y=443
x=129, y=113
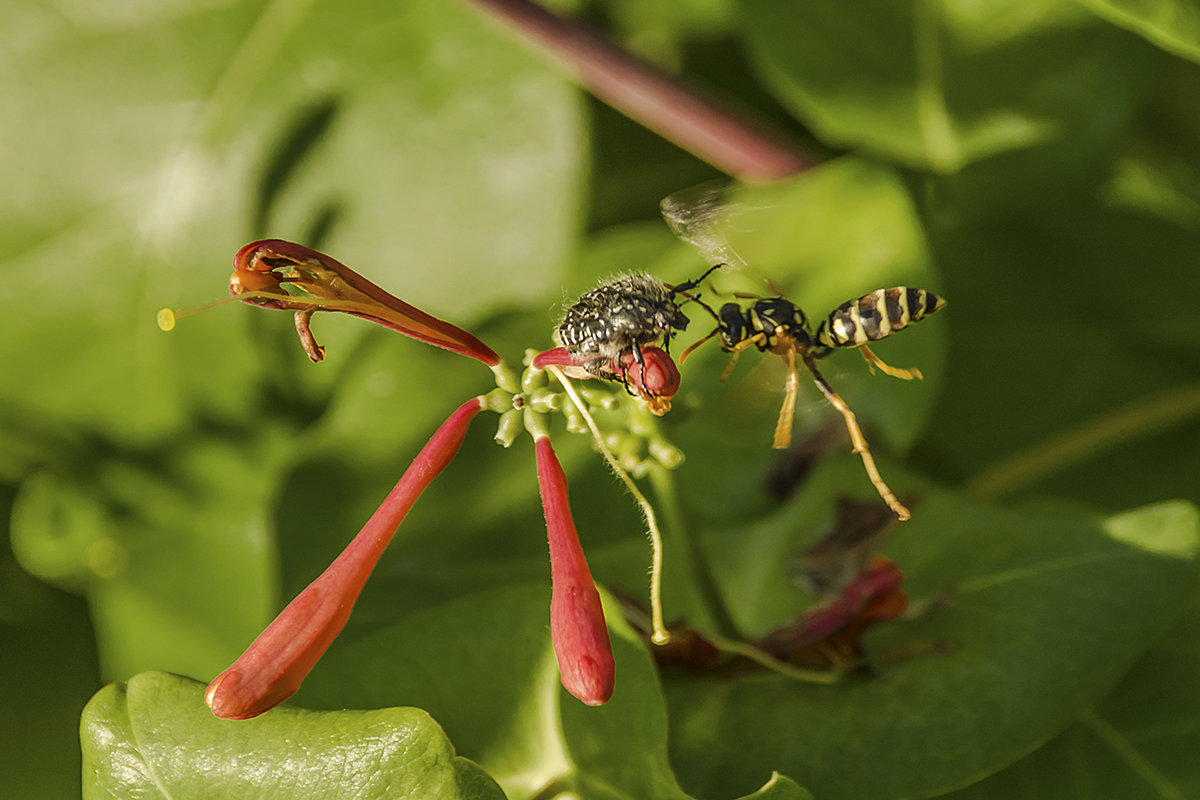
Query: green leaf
x=48, y=672
x=497, y=703
x=1155, y=172
x=938, y=86
x=154, y=737
x=172, y=551
x=1024, y=327
x=378, y=133
x=1173, y=25
x=502, y=703
x=1137, y=743
x=1049, y=610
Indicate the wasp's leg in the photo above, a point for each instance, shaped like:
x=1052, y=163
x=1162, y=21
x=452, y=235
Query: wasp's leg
x=783, y=428
x=732, y=363
x=737, y=351
x=694, y=345
x=858, y=441
x=874, y=361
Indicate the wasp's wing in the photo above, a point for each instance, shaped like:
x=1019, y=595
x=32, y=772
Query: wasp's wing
x=701, y=216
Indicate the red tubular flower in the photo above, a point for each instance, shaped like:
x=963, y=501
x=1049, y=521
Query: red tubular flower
x=262, y=269
x=271, y=669
x=577, y=626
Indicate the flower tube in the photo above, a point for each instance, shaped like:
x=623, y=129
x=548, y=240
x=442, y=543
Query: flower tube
x=264, y=268
x=577, y=627
x=272, y=668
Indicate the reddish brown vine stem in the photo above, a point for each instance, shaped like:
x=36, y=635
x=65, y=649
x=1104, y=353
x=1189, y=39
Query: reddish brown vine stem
x=737, y=146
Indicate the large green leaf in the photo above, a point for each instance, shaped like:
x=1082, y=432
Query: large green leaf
x=1047, y=317
x=1049, y=611
x=382, y=132
x=1173, y=25
x=502, y=704
x=154, y=738
x=48, y=672
x=940, y=85
x=1137, y=743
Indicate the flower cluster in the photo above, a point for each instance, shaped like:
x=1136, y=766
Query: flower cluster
x=282, y=275
x=858, y=590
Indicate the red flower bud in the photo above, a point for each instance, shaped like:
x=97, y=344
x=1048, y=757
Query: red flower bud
x=657, y=383
x=271, y=669
x=577, y=626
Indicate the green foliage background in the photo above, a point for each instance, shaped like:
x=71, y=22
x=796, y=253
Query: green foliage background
x=1034, y=161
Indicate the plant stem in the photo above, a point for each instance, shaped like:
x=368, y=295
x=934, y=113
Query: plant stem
x=1136, y=419
x=663, y=481
x=740, y=147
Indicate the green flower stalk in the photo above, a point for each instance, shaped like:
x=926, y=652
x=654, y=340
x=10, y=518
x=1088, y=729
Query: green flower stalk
x=281, y=275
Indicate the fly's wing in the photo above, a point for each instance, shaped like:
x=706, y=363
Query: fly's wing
x=701, y=216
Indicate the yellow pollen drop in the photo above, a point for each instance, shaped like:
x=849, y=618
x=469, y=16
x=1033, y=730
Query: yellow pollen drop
x=166, y=319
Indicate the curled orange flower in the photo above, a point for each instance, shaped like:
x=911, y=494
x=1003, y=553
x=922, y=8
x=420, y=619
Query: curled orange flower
x=265, y=270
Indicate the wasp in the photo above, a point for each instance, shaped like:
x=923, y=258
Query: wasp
x=779, y=326
x=620, y=317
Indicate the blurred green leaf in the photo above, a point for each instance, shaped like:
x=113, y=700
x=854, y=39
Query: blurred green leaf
x=1138, y=742
x=174, y=557
x=1155, y=172
x=48, y=672
x=1070, y=303
x=1173, y=25
x=154, y=737
x=300, y=117
x=936, y=87
x=502, y=703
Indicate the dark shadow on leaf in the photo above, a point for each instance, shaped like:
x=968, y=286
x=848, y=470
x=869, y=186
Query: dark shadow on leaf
x=299, y=138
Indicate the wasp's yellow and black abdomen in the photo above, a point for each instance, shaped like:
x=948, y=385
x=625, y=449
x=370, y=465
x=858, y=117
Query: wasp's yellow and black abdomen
x=876, y=315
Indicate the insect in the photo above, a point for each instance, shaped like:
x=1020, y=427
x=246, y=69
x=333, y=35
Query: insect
x=620, y=317
x=778, y=325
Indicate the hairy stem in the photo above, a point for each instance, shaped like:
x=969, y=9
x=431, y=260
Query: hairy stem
x=665, y=490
